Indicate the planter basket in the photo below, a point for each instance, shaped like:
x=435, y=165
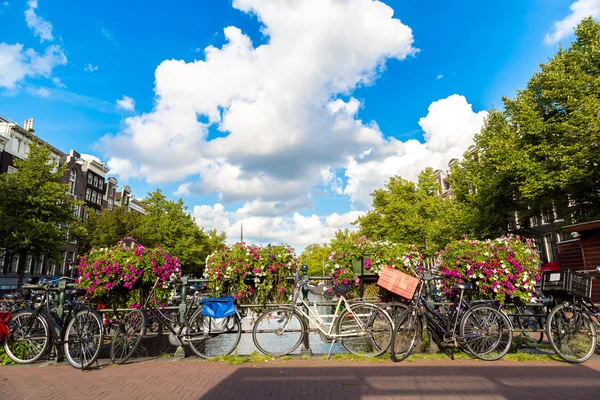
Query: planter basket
x=398, y=282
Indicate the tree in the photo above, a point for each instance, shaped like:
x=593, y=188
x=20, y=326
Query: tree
x=166, y=223
x=413, y=213
x=540, y=156
x=35, y=208
x=104, y=229
x=315, y=256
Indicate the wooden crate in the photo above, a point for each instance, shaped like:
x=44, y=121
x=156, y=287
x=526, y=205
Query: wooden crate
x=398, y=282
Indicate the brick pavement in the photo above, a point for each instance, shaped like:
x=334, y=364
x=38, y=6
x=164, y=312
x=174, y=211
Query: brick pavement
x=305, y=379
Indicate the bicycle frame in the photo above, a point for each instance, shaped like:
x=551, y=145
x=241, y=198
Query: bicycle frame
x=316, y=319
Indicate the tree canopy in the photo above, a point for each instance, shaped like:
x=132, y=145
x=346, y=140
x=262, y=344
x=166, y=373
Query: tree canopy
x=166, y=223
x=35, y=207
x=409, y=212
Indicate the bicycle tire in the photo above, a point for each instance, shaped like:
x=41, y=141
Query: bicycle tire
x=407, y=328
x=265, y=331
x=561, y=327
x=86, y=325
x=211, y=345
x=41, y=333
x=497, y=338
x=128, y=336
x=372, y=336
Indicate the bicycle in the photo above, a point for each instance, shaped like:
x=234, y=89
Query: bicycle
x=79, y=330
x=362, y=328
x=477, y=327
x=571, y=325
x=208, y=336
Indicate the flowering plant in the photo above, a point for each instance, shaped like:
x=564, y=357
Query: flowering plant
x=504, y=268
x=108, y=271
x=251, y=273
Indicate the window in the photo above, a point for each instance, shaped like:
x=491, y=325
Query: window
x=76, y=211
x=95, y=181
x=2, y=254
x=37, y=266
x=110, y=204
x=11, y=169
x=72, y=179
x=93, y=196
x=99, y=199
x=14, y=265
x=90, y=178
x=101, y=183
x=88, y=194
x=63, y=263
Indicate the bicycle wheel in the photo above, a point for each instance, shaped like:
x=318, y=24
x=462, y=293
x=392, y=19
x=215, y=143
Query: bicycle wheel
x=127, y=337
x=485, y=333
x=406, y=331
x=278, y=331
x=365, y=329
x=213, y=337
x=84, y=338
x=29, y=339
x=571, y=334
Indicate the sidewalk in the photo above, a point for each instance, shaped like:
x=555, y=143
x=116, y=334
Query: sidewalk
x=306, y=379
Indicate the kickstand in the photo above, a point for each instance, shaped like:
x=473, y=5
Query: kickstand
x=330, y=348
x=449, y=352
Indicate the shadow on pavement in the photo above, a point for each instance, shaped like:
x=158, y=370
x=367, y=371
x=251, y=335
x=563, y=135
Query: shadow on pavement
x=506, y=380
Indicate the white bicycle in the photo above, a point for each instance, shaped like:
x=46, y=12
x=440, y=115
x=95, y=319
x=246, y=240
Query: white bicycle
x=362, y=328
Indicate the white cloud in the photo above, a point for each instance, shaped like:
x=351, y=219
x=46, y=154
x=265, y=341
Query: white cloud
x=580, y=9
x=38, y=25
x=90, y=157
x=297, y=230
x=124, y=168
x=449, y=127
x=440, y=76
x=280, y=103
x=39, y=92
x=90, y=68
x=126, y=103
x=57, y=82
x=16, y=64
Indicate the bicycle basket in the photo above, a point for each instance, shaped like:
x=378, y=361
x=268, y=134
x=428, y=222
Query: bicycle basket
x=398, y=282
x=219, y=307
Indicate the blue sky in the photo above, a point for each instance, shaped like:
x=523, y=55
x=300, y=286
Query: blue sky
x=302, y=110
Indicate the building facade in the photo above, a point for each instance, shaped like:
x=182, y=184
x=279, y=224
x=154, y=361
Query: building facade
x=87, y=182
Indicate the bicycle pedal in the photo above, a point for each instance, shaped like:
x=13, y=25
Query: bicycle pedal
x=449, y=352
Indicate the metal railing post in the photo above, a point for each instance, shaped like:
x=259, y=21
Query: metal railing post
x=305, y=351
x=432, y=347
x=183, y=304
x=62, y=297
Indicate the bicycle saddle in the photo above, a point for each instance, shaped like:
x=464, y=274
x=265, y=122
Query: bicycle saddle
x=196, y=288
x=76, y=292
x=341, y=289
x=464, y=286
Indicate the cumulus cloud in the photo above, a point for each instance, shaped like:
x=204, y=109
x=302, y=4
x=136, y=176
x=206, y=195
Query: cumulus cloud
x=284, y=106
x=126, y=103
x=440, y=76
x=16, y=64
x=449, y=128
x=580, y=9
x=297, y=230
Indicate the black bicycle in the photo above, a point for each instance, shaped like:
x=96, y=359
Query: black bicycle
x=208, y=336
x=478, y=327
x=32, y=332
x=571, y=325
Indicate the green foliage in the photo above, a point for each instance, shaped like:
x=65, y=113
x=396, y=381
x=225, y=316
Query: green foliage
x=315, y=256
x=251, y=274
x=4, y=358
x=500, y=269
x=35, y=207
x=541, y=155
x=166, y=223
x=106, y=272
x=406, y=212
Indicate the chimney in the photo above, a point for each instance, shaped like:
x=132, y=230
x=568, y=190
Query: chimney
x=28, y=124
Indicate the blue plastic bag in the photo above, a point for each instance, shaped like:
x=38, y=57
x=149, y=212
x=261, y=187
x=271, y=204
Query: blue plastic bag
x=219, y=307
